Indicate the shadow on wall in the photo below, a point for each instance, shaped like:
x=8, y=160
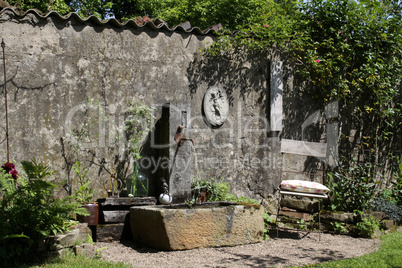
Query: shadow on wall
x=246, y=73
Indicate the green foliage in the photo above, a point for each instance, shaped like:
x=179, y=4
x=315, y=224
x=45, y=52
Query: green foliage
x=396, y=188
x=36, y=170
x=338, y=227
x=353, y=186
x=84, y=193
x=125, y=9
x=268, y=223
x=346, y=51
x=29, y=210
x=301, y=224
x=42, y=5
x=366, y=227
x=232, y=14
x=190, y=203
x=85, y=8
x=391, y=210
x=137, y=125
x=216, y=189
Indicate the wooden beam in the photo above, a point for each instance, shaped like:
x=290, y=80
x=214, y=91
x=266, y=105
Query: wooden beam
x=276, y=96
x=316, y=149
x=310, y=195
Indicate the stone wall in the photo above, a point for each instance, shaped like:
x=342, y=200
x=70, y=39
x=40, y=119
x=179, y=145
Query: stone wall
x=55, y=65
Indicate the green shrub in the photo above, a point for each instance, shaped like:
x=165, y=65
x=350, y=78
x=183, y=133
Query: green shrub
x=352, y=187
x=366, y=227
x=391, y=210
x=338, y=227
x=396, y=189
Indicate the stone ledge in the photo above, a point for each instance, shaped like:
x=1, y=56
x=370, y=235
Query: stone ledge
x=126, y=201
x=337, y=216
x=59, y=245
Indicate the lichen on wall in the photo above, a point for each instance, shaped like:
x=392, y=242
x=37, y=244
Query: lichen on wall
x=67, y=75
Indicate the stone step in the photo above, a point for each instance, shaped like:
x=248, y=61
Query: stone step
x=296, y=215
x=113, y=232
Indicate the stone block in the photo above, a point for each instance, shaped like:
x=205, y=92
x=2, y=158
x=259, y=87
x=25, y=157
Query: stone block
x=85, y=249
x=379, y=216
x=115, y=216
x=296, y=215
x=337, y=216
x=388, y=224
x=173, y=228
x=301, y=204
x=63, y=252
x=79, y=233
x=270, y=204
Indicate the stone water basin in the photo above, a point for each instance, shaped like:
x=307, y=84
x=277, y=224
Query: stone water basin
x=211, y=224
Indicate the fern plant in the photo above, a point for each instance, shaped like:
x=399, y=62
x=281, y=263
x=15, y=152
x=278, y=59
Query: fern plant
x=30, y=210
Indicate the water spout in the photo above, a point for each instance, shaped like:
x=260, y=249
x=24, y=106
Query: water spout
x=180, y=138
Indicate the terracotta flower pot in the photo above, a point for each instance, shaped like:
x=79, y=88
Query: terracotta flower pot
x=92, y=219
x=202, y=197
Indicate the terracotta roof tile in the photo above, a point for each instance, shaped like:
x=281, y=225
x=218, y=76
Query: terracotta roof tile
x=144, y=22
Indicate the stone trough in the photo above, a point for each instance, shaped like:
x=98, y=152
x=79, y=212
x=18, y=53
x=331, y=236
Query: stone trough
x=211, y=224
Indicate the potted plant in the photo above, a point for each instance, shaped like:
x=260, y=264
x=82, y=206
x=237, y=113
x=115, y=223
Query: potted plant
x=84, y=195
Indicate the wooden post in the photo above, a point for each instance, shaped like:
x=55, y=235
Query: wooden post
x=3, y=45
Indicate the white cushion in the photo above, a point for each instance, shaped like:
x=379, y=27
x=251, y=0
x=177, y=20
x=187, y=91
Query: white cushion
x=304, y=186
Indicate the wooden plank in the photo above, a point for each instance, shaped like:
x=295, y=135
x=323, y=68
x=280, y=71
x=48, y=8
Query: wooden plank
x=276, y=96
x=127, y=201
x=315, y=149
x=322, y=196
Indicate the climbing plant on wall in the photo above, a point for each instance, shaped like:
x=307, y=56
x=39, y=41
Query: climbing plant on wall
x=344, y=50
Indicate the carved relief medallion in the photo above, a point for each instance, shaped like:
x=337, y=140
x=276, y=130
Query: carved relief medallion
x=216, y=106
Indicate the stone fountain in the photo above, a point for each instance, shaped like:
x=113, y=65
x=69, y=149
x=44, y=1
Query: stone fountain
x=179, y=226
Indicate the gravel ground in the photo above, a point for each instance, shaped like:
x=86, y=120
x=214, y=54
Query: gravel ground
x=290, y=249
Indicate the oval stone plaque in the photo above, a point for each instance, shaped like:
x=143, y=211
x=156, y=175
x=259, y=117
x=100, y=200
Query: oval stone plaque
x=216, y=106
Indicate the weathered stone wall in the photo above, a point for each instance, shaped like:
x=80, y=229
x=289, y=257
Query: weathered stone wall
x=55, y=65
